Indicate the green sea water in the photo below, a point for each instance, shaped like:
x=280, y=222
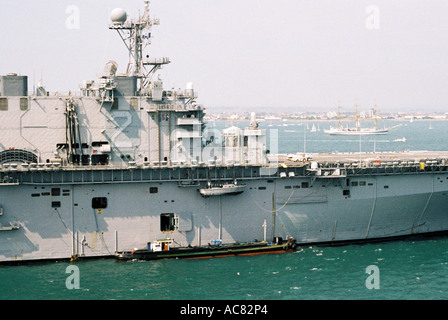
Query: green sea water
x=406, y=269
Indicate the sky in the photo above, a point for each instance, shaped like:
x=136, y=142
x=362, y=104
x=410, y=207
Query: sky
x=247, y=55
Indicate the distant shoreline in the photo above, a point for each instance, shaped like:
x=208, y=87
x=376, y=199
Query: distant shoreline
x=323, y=120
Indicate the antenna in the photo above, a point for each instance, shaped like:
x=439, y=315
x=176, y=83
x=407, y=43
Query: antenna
x=136, y=35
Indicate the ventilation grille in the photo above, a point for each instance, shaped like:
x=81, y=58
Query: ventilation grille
x=17, y=155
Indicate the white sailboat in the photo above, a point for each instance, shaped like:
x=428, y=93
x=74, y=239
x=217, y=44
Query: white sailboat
x=357, y=131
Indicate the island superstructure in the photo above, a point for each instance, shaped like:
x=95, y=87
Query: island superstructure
x=129, y=162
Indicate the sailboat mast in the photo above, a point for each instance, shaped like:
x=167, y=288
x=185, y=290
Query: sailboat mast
x=374, y=114
x=339, y=116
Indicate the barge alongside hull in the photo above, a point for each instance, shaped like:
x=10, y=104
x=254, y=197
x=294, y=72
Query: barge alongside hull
x=210, y=251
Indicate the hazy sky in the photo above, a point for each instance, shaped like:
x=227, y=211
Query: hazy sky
x=303, y=55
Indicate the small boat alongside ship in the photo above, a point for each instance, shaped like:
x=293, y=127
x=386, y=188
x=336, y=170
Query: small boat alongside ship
x=161, y=249
x=222, y=189
x=10, y=227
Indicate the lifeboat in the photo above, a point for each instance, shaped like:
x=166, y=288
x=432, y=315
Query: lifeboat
x=220, y=190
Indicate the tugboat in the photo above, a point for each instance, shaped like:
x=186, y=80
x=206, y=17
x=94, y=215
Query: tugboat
x=161, y=249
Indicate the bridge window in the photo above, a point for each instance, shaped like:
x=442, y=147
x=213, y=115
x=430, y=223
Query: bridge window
x=99, y=143
x=100, y=159
x=3, y=104
x=23, y=104
x=114, y=105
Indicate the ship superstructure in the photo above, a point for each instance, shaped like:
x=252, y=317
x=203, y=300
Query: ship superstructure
x=128, y=162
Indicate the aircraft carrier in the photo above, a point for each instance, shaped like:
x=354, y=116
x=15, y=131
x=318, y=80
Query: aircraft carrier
x=127, y=162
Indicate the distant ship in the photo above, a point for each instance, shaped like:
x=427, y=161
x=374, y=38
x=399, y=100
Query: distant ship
x=357, y=130
x=341, y=131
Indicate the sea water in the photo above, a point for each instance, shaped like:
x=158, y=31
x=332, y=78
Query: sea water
x=402, y=269
x=405, y=269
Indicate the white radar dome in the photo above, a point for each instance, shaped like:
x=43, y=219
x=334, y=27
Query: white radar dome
x=118, y=15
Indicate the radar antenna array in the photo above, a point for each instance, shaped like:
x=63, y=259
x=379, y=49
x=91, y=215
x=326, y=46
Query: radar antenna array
x=136, y=35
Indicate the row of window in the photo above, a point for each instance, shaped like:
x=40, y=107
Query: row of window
x=83, y=145
x=24, y=104
x=95, y=159
x=133, y=103
x=346, y=192
x=4, y=104
x=55, y=192
x=101, y=202
x=97, y=202
x=303, y=185
x=360, y=183
x=168, y=221
x=353, y=184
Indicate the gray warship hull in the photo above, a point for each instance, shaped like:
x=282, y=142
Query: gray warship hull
x=58, y=219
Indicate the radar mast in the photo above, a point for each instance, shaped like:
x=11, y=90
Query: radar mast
x=136, y=35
